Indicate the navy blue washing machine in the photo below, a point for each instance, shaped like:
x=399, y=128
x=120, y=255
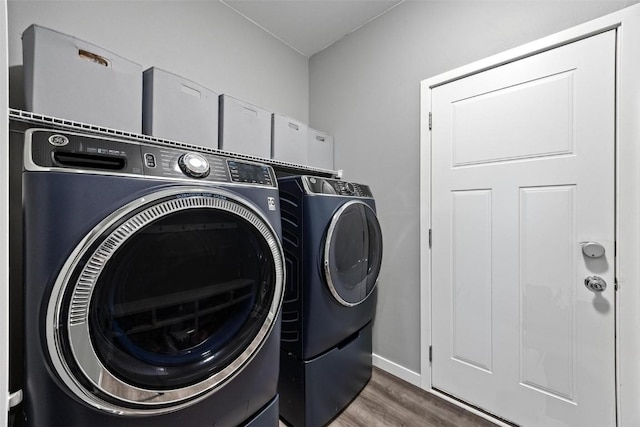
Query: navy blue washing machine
x=153, y=284
x=333, y=252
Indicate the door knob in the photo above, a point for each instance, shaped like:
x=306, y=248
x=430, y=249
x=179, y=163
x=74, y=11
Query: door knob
x=595, y=284
x=592, y=249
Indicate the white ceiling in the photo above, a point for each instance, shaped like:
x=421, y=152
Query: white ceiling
x=309, y=26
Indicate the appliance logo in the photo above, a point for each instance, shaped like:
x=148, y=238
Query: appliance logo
x=271, y=202
x=58, y=140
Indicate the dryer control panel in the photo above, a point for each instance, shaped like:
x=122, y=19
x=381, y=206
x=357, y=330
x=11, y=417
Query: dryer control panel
x=74, y=152
x=317, y=185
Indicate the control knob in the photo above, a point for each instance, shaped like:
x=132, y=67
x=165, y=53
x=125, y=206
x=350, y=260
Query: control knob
x=346, y=188
x=350, y=188
x=194, y=165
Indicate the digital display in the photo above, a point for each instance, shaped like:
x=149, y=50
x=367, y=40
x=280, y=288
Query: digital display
x=250, y=173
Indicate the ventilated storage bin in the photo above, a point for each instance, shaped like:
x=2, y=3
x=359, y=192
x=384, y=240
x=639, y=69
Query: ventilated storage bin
x=320, y=149
x=244, y=128
x=179, y=109
x=72, y=79
x=289, y=140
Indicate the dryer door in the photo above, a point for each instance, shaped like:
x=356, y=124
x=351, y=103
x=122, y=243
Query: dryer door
x=353, y=253
x=165, y=300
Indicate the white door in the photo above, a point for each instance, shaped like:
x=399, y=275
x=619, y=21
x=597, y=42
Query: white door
x=522, y=173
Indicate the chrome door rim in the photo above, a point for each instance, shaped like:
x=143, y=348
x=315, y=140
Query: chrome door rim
x=327, y=261
x=150, y=401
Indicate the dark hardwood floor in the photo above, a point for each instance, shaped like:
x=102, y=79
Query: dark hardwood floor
x=388, y=401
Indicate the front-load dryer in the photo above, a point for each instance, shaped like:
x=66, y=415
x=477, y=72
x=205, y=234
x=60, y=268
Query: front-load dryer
x=333, y=249
x=153, y=285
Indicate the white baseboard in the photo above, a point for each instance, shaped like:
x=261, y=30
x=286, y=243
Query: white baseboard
x=397, y=370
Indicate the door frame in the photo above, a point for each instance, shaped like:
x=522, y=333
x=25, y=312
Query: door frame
x=4, y=216
x=626, y=22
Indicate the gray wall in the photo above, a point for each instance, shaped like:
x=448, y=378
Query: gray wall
x=204, y=41
x=365, y=91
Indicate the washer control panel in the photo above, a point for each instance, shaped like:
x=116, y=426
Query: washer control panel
x=317, y=185
x=69, y=151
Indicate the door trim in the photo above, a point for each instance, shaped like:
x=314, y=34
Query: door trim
x=4, y=215
x=627, y=181
x=100, y=244
x=327, y=251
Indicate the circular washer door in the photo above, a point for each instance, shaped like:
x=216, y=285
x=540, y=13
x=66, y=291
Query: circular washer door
x=353, y=253
x=165, y=300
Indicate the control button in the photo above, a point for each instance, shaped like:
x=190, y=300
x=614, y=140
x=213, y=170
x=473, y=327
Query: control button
x=150, y=160
x=194, y=165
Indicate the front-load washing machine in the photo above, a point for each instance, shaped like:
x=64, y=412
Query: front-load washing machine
x=333, y=250
x=153, y=280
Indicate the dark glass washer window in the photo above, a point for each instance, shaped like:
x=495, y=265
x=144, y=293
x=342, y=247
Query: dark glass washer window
x=354, y=254
x=182, y=298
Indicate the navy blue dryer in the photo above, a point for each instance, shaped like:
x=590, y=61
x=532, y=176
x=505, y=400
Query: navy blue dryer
x=333, y=250
x=153, y=285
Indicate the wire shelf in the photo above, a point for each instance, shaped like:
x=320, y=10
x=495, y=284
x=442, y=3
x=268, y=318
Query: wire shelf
x=58, y=123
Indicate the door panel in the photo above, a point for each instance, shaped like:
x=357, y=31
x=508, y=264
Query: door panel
x=547, y=269
x=523, y=171
x=472, y=277
x=543, y=121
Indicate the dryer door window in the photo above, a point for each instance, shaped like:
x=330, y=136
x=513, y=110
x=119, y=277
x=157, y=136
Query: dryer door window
x=171, y=298
x=353, y=253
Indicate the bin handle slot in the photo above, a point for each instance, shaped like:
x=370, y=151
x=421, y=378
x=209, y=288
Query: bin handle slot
x=190, y=91
x=93, y=57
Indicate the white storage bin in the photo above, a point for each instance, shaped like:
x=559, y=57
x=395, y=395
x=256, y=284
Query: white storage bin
x=289, y=140
x=320, y=149
x=72, y=79
x=244, y=128
x=179, y=109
